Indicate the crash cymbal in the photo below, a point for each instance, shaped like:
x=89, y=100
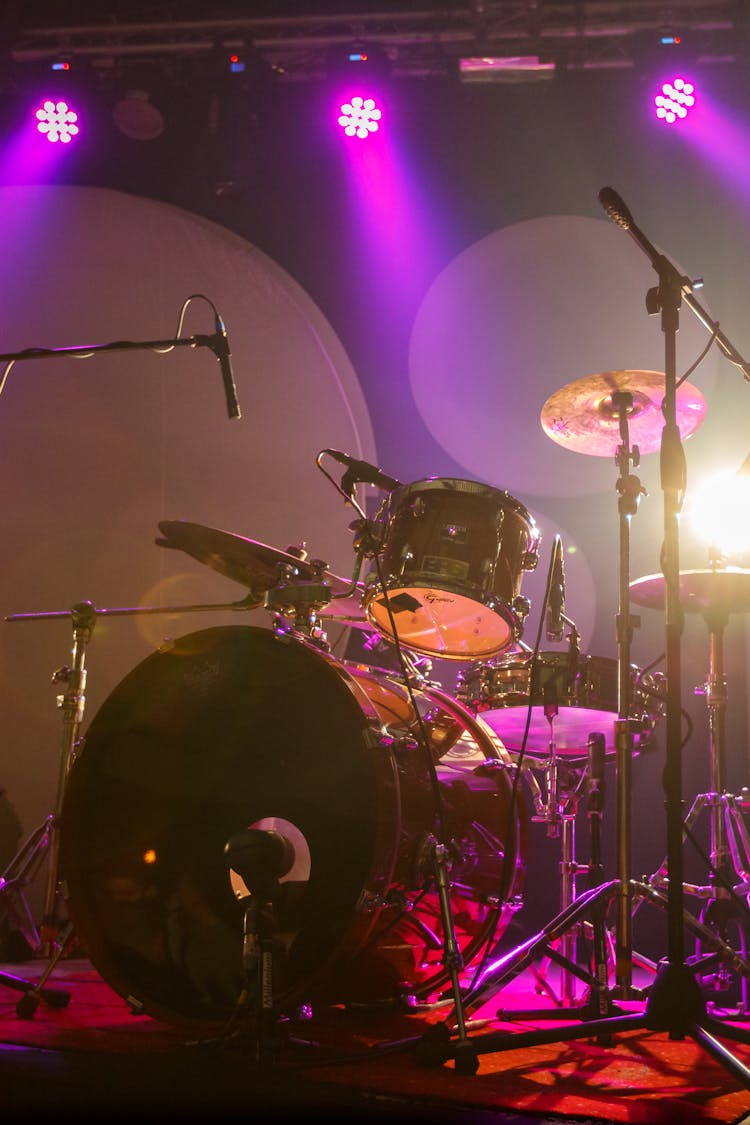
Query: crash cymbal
x=253, y=564
x=727, y=589
x=581, y=416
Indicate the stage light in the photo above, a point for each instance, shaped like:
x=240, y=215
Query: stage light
x=718, y=512
x=675, y=100
x=57, y=121
x=140, y=94
x=359, y=117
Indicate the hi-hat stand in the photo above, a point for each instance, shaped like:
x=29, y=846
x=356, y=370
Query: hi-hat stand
x=674, y=1003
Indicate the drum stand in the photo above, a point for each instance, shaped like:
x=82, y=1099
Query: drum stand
x=51, y=939
x=559, y=941
x=729, y=852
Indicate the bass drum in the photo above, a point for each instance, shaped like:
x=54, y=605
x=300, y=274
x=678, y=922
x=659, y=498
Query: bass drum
x=238, y=728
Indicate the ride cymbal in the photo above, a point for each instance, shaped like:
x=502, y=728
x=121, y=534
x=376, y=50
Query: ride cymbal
x=727, y=589
x=253, y=564
x=582, y=417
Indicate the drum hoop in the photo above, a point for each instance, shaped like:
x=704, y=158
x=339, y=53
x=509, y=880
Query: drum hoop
x=458, y=486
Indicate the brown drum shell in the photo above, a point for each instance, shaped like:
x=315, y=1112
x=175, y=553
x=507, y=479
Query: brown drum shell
x=234, y=728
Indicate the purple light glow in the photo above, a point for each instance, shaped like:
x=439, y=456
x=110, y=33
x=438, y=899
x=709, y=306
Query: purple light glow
x=57, y=121
x=359, y=117
x=675, y=100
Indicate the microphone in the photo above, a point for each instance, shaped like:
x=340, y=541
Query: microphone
x=361, y=472
x=616, y=208
x=260, y=857
x=556, y=601
x=220, y=347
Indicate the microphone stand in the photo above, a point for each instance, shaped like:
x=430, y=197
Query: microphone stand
x=674, y=1004
x=217, y=343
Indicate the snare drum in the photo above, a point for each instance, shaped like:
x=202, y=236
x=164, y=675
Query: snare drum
x=451, y=567
x=570, y=698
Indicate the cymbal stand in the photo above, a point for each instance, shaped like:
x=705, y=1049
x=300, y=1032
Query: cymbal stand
x=674, y=1004
x=51, y=939
x=629, y=490
x=729, y=841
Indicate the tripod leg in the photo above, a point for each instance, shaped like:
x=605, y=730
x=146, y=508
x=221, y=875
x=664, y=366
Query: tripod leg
x=28, y=1003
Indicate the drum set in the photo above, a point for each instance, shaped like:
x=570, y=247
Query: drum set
x=250, y=823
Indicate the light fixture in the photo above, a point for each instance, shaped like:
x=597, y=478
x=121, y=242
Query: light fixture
x=57, y=121
x=359, y=117
x=56, y=109
x=675, y=100
x=137, y=107
x=358, y=73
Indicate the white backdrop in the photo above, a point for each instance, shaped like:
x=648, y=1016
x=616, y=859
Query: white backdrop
x=96, y=451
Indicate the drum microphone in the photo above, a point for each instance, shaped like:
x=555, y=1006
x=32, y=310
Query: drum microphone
x=260, y=857
x=556, y=600
x=361, y=472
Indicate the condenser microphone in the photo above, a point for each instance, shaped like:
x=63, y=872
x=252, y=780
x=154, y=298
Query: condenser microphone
x=221, y=350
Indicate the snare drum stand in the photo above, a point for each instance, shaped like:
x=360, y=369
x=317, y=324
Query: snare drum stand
x=558, y=810
x=52, y=939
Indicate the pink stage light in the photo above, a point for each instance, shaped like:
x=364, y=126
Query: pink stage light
x=674, y=101
x=57, y=121
x=359, y=117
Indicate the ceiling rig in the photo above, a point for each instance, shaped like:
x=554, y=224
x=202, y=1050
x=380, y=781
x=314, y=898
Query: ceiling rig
x=415, y=43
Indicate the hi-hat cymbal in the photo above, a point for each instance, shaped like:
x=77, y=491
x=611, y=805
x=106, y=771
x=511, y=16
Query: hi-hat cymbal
x=581, y=416
x=727, y=589
x=253, y=564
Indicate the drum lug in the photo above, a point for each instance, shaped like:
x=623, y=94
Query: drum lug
x=521, y=607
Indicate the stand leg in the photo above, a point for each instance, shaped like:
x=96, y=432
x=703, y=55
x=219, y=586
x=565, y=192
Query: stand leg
x=44, y=841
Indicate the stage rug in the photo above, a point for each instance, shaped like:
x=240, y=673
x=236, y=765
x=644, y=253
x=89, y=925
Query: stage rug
x=643, y=1077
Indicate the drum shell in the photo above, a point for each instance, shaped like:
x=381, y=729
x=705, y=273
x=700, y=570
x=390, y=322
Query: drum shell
x=234, y=728
x=580, y=692
x=452, y=563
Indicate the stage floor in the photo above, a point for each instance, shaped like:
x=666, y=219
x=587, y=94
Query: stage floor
x=93, y=1053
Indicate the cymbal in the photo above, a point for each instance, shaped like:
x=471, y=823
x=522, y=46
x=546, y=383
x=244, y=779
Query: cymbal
x=700, y=590
x=253, y=564
x=581, y=417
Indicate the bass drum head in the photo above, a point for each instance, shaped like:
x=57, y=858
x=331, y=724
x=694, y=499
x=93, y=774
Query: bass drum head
x=226, y=729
